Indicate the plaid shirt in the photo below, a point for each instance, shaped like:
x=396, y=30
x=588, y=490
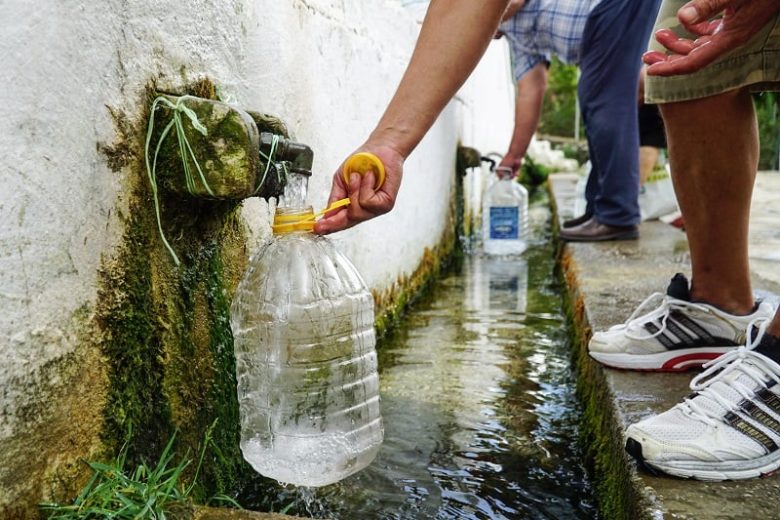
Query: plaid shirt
x=545, y=28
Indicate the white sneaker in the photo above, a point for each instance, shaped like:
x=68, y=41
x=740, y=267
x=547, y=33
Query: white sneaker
x=729, y=429
x=675, y=335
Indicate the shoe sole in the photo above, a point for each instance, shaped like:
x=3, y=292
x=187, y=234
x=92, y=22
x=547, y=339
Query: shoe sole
x=709, y=471
x=625, y=235
x=670, y=361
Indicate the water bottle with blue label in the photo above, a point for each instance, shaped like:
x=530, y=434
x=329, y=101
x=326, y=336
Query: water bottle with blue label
x=505, y=216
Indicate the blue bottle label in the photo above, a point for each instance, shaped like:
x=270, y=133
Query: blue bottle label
x=504, y=222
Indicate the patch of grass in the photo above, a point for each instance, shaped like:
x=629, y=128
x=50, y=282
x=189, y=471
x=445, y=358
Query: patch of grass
x=156, y=492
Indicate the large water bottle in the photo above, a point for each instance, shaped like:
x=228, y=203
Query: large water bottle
x=505, y=217
x=308, y=390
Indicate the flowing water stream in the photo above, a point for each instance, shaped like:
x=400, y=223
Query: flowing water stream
x=478, y=405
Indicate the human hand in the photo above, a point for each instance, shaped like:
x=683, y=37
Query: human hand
x=741, y=20
x=366, y=201
x=509, y=167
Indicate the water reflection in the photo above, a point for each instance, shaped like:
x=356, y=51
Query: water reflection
x=479, y=407
x=496, y=283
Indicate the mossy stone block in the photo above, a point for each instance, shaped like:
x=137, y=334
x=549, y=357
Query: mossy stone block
x=228, y=155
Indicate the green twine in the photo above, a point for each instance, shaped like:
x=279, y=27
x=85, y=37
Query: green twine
x=269, y=159
x=185, y=151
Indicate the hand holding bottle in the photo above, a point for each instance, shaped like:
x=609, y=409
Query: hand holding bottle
x=371, y=192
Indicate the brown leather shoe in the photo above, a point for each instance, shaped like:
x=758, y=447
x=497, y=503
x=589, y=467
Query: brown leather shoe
x=594, y=231
x=577, y=221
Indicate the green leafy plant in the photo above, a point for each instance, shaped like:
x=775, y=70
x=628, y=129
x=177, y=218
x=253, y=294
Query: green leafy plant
x=533, y=174
x=560, y=100
x=767, y=111
x=145, y=493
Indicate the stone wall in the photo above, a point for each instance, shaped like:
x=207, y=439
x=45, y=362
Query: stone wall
x=103, y=340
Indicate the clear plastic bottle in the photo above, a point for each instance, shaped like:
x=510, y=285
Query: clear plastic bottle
x=505, y=218
x=308, y=389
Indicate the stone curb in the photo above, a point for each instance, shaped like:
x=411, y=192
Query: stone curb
x=605, y=283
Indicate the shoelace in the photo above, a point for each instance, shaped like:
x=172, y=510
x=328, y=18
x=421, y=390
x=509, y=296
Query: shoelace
x=743, y=361
x=637, y=320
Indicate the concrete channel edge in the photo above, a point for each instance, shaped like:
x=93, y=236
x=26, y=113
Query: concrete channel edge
x=619, y=492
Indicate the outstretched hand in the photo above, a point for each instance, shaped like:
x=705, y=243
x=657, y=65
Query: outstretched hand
x=741, y=19
x=366, y=201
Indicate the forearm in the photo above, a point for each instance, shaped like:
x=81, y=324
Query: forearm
x=528, y=110
x=453, y=38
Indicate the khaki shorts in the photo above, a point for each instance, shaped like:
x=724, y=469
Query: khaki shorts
x=756, y=64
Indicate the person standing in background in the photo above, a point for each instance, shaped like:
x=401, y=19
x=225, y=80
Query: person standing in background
x=606, y=38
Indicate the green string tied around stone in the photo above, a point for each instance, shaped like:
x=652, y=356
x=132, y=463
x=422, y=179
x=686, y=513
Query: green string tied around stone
x=179, y=110
x=269, y=160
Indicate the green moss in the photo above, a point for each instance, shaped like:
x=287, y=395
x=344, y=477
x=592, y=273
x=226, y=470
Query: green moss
x=617, y=494
x=392, y=303
x=165, y=331
x=127, y=315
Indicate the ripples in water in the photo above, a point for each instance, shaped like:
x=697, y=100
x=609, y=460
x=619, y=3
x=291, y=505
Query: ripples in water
x=478, y=405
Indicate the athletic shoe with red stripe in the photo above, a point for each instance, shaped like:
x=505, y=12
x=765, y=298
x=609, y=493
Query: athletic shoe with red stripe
x=670, y=333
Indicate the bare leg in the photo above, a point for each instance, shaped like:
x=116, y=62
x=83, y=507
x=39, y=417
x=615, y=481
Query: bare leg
x=648, y=157
x=774, y=327
x=713, y=151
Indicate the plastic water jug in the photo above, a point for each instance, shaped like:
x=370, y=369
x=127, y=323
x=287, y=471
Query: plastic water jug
x=308, y=389
x=505, y=218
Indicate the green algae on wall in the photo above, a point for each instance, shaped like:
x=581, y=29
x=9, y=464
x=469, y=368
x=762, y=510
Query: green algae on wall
x=56, y=425
x=166, y=330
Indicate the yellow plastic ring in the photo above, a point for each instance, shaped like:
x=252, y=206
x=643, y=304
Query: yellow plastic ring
x=363, y=162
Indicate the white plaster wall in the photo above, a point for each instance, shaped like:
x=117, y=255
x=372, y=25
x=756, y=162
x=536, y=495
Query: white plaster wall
x=488, y=101
x=487, y=108
x=327, y=67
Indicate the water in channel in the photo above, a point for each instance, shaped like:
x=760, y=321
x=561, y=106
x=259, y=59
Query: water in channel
x=478, y=405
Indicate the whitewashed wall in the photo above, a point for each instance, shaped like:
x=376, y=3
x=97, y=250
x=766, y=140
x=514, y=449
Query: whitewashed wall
x=326, y=67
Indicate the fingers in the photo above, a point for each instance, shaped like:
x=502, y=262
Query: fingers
x=687, y=55
x=338, y=190
x=333, y=221
x=366, y=189
x=653, y=57
x=697, y=58
x=699, y=11
x=366, y=202
x=674, y=43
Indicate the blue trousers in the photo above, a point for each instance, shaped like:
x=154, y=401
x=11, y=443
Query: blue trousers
x=616, y=34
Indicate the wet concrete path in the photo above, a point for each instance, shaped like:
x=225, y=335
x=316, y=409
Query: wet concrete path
x=612, y=279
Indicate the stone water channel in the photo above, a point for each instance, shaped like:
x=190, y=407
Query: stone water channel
x=478, y=405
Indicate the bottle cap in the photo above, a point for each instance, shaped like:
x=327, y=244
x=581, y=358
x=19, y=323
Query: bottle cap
x=289, y=220
x=363, y=162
